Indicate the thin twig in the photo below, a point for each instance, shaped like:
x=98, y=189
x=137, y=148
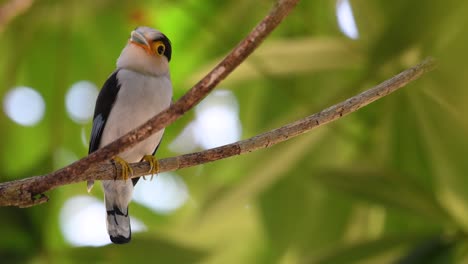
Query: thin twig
x=23, y=193
x=107, y=171
x=12, y=9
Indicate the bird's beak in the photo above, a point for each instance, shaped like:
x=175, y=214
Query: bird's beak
x=139, y=39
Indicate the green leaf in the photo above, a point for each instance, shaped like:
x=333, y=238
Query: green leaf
x=389, y=249
x=140, y=250
x=383, y=187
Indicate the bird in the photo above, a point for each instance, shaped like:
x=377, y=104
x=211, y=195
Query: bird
x=139, y=88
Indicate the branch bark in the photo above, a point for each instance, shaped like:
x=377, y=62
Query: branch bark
x=25, y=193
x=11, y=193
x=11, y=9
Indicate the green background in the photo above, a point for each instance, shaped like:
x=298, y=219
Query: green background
x=385, y=184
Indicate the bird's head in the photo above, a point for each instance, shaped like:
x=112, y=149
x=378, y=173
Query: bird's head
x=148, y=51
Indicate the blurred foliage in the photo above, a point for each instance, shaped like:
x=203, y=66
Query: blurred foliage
x=386, y=184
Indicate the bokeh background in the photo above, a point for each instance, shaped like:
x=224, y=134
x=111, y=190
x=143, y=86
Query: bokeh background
x=387, y=184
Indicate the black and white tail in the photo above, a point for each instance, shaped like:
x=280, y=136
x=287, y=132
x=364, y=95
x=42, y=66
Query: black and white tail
x=117, y=195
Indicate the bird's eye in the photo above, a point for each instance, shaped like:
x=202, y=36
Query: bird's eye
x=159, y=47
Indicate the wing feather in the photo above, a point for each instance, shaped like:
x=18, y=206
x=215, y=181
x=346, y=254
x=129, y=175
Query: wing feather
x=104, y=103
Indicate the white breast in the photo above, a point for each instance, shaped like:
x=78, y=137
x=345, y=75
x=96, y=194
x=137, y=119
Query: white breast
x=140, y=97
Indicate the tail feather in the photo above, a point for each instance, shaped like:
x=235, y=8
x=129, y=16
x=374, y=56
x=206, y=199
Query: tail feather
x=117, y=195
x=118, y=226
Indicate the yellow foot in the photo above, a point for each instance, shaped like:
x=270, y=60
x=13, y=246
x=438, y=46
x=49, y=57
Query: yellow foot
x=127, y=171
x=154, y=165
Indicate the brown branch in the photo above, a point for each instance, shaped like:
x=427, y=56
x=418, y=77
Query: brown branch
x=275, y=136
x=12, y=9
x=23, y=193
x=12, y=192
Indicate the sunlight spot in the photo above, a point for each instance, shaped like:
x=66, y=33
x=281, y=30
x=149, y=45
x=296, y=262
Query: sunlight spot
x=217, y=120
x=216, y=123
x=185, y=141
x=217, y=126
x=164, y=194
x=83, y=222
x=24, y=105
x=80, y=101
x=346, y=20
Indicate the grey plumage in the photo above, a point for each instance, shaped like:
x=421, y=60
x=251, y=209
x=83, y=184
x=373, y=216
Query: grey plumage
x=139, y=89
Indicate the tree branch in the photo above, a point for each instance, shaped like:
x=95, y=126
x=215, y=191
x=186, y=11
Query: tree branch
x=12, y=192
x=25, y=193
x=275, y=136
x=11, y=9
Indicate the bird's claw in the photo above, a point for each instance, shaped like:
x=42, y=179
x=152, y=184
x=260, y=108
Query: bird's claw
x=154, y=165
x=127, y=171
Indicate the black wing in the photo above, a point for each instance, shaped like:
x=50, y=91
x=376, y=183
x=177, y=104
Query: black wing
x=104, y=103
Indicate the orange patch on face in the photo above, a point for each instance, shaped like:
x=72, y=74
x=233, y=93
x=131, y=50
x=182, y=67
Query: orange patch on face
x=146, y=48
